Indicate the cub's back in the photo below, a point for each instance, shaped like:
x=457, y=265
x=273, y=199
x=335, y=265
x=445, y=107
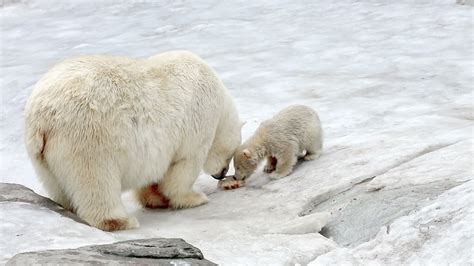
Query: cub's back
x=291, y=123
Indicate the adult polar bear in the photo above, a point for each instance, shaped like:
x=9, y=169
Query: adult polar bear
x=98, y=125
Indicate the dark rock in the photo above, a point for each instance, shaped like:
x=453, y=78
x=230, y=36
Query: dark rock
x=152, y=248
x=17, y=193
x=155, y=251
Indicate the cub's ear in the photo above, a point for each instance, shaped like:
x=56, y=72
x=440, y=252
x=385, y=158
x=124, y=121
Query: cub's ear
x=242, y=124
x=247, y=153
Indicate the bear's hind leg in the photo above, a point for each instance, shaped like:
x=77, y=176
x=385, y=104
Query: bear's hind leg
x=51, y=185
x=177, y=184
x=313, y=142
x=96, y=196
x=57, y=194
x=314, y=150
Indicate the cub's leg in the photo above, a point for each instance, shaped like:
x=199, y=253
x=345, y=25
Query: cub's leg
x=285, y=162
x=150, y=196
x=177, y=184
x=270, y=165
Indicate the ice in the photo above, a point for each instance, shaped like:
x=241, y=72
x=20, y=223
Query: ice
x=391, y=81
x=439, y=233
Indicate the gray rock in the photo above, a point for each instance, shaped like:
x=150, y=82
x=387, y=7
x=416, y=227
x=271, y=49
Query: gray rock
x=155, y=251
x=17, y=193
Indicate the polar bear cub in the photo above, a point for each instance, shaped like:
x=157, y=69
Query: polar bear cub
x=99, y=125
x=292, y=133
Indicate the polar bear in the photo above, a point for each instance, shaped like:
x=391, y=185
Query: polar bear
x=292, y=133
x=99, y=125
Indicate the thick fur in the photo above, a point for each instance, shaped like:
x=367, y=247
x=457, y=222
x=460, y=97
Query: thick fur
x=292, y=133
x=98, y=125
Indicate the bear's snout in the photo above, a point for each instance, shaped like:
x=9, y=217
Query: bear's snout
x=221, y=175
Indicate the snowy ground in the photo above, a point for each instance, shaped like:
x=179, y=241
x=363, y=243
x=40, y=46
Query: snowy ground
x=392, y=81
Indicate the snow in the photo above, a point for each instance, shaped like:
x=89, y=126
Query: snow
x=391, y=80
x=303, y=225
x=27, y=228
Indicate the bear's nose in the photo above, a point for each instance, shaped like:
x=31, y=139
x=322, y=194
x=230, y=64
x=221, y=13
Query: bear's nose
x=218, y=177
x=221, y=175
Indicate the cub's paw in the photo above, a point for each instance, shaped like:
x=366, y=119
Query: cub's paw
x=310, y=157
x=271, y=165
x=277, y=175
x=269, y=169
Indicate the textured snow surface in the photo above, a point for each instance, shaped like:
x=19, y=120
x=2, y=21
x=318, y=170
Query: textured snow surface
x=391, y=80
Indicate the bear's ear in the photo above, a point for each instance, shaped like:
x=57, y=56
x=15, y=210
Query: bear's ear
x=247, y=153
x=242, y=124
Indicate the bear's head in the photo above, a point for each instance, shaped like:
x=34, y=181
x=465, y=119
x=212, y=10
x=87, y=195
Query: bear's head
x=225, y=144
x=245, y=163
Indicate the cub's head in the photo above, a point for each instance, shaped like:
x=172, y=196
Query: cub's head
x=245, y=163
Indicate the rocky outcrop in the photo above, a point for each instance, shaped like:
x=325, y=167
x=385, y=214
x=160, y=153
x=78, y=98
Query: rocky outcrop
x=17, y=193
x=155, y=251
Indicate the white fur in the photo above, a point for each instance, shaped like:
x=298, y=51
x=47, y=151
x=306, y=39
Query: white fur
x=292, y=133
x=98, y=125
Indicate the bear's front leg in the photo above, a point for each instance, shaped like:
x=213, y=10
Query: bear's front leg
x=270, y=165
x=177, y=184
x=285, y=162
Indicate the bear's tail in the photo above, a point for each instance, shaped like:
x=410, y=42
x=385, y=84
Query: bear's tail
x=36, y=145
